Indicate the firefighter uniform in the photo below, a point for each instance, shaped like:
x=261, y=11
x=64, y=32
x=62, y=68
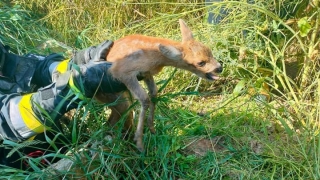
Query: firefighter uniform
x=63, y=84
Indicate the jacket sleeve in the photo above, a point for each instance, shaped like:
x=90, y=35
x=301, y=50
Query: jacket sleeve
x=7, y=130
x=24, y=116
x=44, y=70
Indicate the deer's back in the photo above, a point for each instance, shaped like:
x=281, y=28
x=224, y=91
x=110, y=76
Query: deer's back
x=132, y=44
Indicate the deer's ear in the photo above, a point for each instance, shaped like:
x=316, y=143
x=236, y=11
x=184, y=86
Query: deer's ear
x=170, y=52
x=185, y=31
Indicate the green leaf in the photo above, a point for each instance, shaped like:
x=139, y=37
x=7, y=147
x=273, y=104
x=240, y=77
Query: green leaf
x=304, y=26
x=239, y=87
x=15, y=17
x=275, y=25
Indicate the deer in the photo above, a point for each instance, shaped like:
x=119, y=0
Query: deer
x=144, y=56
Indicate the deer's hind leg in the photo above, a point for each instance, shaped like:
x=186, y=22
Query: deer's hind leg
x=119, y=106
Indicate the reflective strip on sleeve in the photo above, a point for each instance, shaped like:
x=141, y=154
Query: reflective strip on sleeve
x=62, y=67
x=23, y=118
x=58, y=67
x=75, y=90
x=53, y=67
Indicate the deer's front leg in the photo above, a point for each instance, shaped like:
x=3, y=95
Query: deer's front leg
x=153, y=93
x=135, y=88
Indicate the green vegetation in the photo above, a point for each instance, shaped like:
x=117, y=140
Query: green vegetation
x=260, y=121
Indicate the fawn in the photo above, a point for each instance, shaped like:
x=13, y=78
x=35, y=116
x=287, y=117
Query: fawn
x=143, y=56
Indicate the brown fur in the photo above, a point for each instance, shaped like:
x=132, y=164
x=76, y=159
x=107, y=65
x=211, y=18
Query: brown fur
x=142, y=55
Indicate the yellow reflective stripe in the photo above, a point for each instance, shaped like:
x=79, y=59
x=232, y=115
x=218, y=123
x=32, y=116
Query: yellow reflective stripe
x=62, y=67
x=28, y=116
x=75, y=89
x=31, y=138
x=72, y=86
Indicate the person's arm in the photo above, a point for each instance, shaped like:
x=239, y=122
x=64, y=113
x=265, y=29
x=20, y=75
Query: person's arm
x=23, y=116
x=47, y=69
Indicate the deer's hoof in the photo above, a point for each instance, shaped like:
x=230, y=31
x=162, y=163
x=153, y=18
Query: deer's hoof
x=140, y=146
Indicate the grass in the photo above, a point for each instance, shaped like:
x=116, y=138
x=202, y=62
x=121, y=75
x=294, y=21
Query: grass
x=220, y=130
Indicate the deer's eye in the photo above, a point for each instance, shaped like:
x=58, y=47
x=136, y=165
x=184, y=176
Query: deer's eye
x=202, y=63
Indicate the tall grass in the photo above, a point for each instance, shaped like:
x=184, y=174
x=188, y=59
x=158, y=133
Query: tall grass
x=83, y=23
x=262, y=118
x=18, y=29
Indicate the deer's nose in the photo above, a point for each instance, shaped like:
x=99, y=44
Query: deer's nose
x=219, y=69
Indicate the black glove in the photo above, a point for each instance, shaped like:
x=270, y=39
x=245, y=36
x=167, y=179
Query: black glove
x=86, y=79
x=56, y=99
x=94, y=77
x=95, y=53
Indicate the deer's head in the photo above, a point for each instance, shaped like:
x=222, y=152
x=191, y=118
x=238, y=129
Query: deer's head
x=192, y=55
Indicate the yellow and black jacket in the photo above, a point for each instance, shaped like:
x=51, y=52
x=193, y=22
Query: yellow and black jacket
x=59, y=86
x=21, y=116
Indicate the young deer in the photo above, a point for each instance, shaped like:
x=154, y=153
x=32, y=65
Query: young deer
x=144, y=56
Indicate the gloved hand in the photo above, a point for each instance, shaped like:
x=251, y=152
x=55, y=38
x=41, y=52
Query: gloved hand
x=85, y=79
x=94, y=77
x=95, y=53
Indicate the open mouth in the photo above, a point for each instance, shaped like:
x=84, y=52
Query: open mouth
x=211, y=76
